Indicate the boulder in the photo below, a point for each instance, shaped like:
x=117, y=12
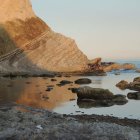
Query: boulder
x=65, y=82
x=137, y=79
x=83, y=81
x=134, y=86
x=119, y=99
x=93, y=93
x=134, y=95
x=122, y=84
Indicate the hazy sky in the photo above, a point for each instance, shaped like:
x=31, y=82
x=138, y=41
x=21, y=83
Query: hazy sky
x=101, y=28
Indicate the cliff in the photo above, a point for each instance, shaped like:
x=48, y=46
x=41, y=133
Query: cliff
x=28, y=44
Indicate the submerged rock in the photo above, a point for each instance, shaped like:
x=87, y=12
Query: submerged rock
x=134, y=95
x=83, y=81
x=122, y=84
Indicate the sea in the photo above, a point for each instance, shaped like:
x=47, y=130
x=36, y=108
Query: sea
x=33, y=92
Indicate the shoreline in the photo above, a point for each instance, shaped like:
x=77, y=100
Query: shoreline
x=43, y=124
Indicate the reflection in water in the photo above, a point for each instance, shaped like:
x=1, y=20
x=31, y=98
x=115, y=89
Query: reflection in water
x=33, y=92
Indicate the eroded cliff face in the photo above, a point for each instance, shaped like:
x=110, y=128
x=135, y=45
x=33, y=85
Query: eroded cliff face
x=29, y=44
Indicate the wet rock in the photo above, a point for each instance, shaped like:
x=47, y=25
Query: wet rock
x=28, y=83
x=138, y=70
x=50, y=86
x=134, y=95
x=73, y=90
x=53, y=80
x=49, y=89
x=137, y=79
x=83, y=81
x=93, y=93
x=134, y=86
x=9, y=85
x=122, y=84
x=65, y=82
x=117, y=73
x=119, y=99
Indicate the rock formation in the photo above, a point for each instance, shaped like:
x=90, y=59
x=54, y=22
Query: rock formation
x=27, y=44
x=135, y=85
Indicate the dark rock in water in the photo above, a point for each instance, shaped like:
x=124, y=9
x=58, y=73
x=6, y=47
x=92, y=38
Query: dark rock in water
x=119, y=99
x=72, y=99
x=93, y=93
x=122, y=85
x=73, y=90
x=45, y=97
x=117, y=73
x=65, y=82
x=134, y=86
x=28, y=82
x=50, y=86
x=96, y=97
x=138, y=70
x=53, y=80
x=83, y=81
x=137, y=79
x=49, y=89
x=134, y=95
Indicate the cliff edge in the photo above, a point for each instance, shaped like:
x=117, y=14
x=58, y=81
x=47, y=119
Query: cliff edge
x=28, y=44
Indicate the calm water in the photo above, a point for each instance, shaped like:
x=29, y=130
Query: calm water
x=32, y=92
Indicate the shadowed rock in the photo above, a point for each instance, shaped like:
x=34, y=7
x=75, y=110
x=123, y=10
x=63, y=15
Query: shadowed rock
x=134, y=95
x=83, y=81
x=119, y=99
x=93, y=93
x=96, y=97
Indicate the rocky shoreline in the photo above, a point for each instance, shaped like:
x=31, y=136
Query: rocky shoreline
x=42, y=124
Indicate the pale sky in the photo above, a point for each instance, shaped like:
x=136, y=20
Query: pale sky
x=101, y=28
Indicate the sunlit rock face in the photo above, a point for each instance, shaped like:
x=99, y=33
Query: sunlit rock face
x=15, y=9
x=42, y=49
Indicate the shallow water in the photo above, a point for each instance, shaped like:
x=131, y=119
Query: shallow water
x=32, y=92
